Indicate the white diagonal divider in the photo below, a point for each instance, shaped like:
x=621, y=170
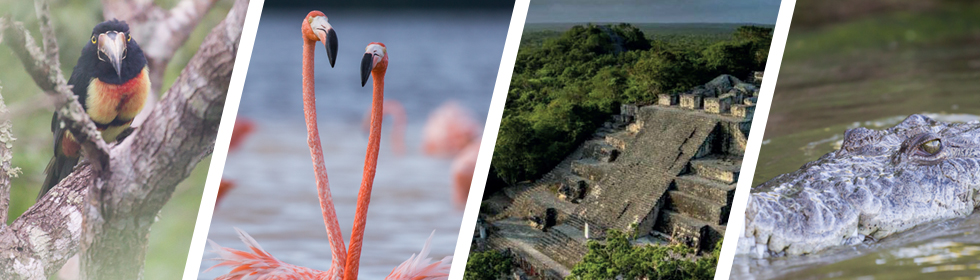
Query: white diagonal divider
x=736, y=220
x=500, y=89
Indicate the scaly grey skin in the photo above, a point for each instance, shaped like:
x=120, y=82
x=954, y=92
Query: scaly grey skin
x=877, y=184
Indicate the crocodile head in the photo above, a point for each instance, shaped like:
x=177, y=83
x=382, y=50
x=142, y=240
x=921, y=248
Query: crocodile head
x=876, y=184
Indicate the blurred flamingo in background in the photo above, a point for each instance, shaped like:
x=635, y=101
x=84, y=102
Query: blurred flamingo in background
x=243, y=127
x=452, y=132
x=463, y=166
x=395, y=110
x=449, y=129
x=259, y=264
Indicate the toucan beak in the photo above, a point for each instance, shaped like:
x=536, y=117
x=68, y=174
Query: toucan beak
x=113, y=45
x=367, y=64
x=327, y=36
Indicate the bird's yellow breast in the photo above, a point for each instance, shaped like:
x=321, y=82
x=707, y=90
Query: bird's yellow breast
x=107, y=103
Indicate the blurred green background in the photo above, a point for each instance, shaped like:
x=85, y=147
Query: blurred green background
x=31, y=112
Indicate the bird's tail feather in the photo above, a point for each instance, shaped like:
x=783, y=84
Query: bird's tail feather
x=420, y=266
x=257, y=264
x=58, y=168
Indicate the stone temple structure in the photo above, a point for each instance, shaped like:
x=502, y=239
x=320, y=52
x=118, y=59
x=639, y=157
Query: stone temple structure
x=665, y=172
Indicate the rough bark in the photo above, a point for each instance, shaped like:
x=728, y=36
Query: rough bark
x=6, y=171
x=105, y=208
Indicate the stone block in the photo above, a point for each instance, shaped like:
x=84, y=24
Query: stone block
x=571, y=190
x=742, y=110
x=691, y=101
x=628, y=110
x=666, y=99
x=718, y=105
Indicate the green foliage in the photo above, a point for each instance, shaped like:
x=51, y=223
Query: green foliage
x=489, y=265
x=618, y=257
x=565, y=85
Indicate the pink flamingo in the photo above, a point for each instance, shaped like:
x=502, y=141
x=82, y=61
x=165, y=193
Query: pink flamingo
x=452, y=132
x=259, y=264
x=395, y=110
x=449, y=129
x=462, y=168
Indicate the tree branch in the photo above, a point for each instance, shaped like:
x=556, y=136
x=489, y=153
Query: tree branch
x=47, y=31
x=41, y=240
x=6, y=171
x=120, y=202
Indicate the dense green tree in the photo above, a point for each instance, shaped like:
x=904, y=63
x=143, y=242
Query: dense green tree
x=619, y=257
x=664, y=72
x=488, y=265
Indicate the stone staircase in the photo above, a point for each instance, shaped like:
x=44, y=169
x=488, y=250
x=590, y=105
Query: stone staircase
x=665, y=169
x=560, y=247
x=698, y=203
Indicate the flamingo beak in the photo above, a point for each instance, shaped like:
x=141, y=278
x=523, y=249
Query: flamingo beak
x=327, y=36
x=112, y=45
x=367, y=64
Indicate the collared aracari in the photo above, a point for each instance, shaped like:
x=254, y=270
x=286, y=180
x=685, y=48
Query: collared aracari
x=111, y=82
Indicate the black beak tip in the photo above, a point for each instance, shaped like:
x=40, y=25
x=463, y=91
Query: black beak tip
x=331, y=46
x=366, y=64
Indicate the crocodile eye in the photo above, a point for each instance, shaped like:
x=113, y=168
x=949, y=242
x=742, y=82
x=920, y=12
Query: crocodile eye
x=931, y=147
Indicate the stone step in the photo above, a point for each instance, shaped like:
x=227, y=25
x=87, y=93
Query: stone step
x=690, y=231
x=588, y=168
x=677, y=225
x=560, y=248
x=711, y=190
x=705, y=210
x=717, y=168
x=575, y=222
x=600, y=151
x=619, y=139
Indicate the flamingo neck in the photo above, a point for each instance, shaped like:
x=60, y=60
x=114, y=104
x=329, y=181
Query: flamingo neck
x=338, y=250
x=367, y=180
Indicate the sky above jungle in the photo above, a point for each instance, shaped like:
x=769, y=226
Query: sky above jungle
x=643, y=11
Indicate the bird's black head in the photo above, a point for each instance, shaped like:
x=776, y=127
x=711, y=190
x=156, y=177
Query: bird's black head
x=111, y=55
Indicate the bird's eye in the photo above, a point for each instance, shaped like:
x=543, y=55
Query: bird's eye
x=93, y=39
x=931, y=147
x=128, y=37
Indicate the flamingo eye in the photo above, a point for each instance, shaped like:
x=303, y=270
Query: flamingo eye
x=93, y=39
x=128, y=37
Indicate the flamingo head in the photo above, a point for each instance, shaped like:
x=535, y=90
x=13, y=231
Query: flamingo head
x=375, y=61
x=316, y=28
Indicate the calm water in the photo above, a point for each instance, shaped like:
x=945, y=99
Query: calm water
x=937, y=250
x=434, y=57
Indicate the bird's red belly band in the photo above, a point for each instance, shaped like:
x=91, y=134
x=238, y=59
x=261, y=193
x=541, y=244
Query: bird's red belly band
x=108, y=102
x=69, y=146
